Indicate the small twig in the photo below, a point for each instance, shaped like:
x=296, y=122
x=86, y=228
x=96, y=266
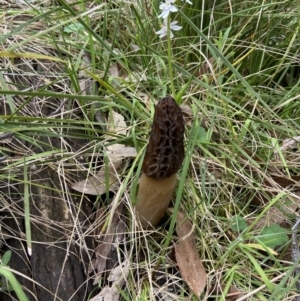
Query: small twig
x=2, y=159
x=295, y=252
x=245, y=297
x=58, y=109
x=5, y=136
x=101, y=119
x=2, y=137
x=34, y=74
x=34, y=103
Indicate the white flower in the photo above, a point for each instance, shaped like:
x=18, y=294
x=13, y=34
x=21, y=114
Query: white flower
x=188, y=1
x=163, y=32
x=166, y=8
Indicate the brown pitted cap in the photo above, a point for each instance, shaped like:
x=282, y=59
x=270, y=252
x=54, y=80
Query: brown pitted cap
x=165, y=151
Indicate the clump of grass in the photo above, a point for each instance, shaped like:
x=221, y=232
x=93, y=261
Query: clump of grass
x=234, y=65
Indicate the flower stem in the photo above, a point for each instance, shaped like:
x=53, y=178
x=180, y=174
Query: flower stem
x=170, y=56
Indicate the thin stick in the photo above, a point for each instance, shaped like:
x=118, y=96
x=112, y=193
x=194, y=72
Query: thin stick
x=260, y=288
x=26, y=211
x=295, y=252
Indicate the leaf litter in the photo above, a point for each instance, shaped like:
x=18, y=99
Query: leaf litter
x=188, y=260
x=116, y=279
x=107, y=177
x=108, y=243
x=109, y=236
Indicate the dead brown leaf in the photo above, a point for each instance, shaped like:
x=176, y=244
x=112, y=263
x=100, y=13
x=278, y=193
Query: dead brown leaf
x=232, y=294
x=103, y=251
x=114, y=75
x=206, y=67
x=189, y=263
x=279, y=215
x=282, y=180
x=113, y=70
x=98, y=184
x=115, y=151
x=106, y=178
x=117, y=278
x=289, y=143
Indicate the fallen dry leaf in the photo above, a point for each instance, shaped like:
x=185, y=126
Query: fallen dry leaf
x=106, y=178
x=189, y=263
x=135, y=47
x=289, y=143
x=117, y=124
x=207, y=67
x=97, y=184
x=232, y=295
x=122, y=151
x=117, y=278
x=282, y=180
x=102, y=256
x=278, y=215
x=104, y=250
x=113, y=70
x=114, y=75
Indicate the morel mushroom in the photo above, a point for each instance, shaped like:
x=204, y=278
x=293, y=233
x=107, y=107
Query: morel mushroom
x=164, y=156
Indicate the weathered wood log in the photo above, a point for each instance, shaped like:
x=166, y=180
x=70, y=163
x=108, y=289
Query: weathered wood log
x=55, y=271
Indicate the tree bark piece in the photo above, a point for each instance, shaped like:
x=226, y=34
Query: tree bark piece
x=55, y=265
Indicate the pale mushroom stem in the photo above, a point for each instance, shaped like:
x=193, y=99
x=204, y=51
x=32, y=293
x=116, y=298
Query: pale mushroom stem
x=153, y=199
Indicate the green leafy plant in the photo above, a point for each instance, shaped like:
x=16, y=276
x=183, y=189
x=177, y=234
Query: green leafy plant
x=238, y=223
x=273, y=236
x=73, y=28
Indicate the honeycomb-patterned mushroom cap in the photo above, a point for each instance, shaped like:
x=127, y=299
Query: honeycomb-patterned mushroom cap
x=165, y=151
